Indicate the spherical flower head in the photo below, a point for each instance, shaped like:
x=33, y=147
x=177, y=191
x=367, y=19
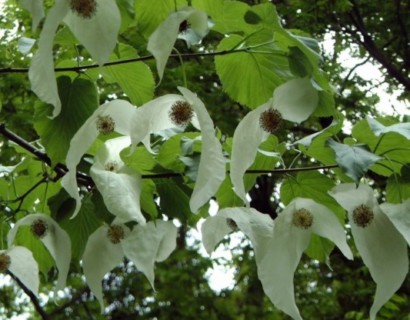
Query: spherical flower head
x=232, y=224
x=111, y=166
x=105, y=124
x=181, y=113
x=4, y=262
x=115, y=233
x=363, y=216
x=39, y=228
x=270, y=120
x=183, y=27
x=302, y=219
x=84, y=8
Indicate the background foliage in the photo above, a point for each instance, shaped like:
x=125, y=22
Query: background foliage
x=374, y=32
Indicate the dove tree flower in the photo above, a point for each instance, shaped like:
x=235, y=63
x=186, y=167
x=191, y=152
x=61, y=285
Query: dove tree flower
x=399, y=215
x=170, y=111
x=295, y=101
x=279, y=244
x=188, y=24
x=20, y=262
x=381, y=246
x=144, y=246
x=119, y=185
x=113, y=116
x=54, y=238
x=87, y=21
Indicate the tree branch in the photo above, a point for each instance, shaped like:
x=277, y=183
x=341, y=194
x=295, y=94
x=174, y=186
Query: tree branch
x=87, y=181
x=373, y=50
x=32, y=297
x=125, y=61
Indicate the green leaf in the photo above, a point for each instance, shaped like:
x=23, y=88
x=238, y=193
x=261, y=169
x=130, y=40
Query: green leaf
x=150, y=14
x=378, y=128
x=79, y=100
x=169, y=154
x=398, y=187
x=228, y=16
x=81, y=227
x=174, y=199
x=147, y=198
x=313, y=185
x=299, y=64
x=394, y=147
x=319, y=248
x=251, y=77
x=141, y=160
x=353, y=160
x=226, y=197
x=134, y=78
x=26, y=239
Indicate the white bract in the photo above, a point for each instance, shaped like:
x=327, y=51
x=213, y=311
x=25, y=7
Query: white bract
x=121, y=112
x=295, y=100
x=278, y=245
x=119, y=185
x=23, y=266
x=154, y=117
x=97, y=36
x=36, y=9
x=55, y=239
x=144, y=246
x=194, y=24
x=399, y=215
x=382, y=248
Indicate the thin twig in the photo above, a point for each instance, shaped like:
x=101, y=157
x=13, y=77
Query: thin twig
x=32, y=297
x=125, y=61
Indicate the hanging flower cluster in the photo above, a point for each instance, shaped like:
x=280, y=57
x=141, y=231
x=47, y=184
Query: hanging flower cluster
x=381, y=233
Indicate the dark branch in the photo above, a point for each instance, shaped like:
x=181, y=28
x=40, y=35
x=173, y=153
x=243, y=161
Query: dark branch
x=144, y=58
x=32, y=297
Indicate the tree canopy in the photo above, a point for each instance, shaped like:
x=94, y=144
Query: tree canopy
x=124, y=124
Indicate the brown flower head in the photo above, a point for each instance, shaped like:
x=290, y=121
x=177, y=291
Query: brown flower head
x=84, y=8
x=111, y=166
x=39, y=228
x=105, y=124
x=302, y=218
x=115, y=233
x=363, y=216
x=181, y=113
x=232, y=224
x=4, y=262
x=270, y=120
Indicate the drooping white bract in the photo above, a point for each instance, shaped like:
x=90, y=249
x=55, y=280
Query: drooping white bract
x=23, y=266
x=381, y=246
x=55, y=239
x=278, y=245
x=36, y=8
x=290, y=238
x=98, y=34
x=162, y=40
x=119, y=185
x=144, y=246
x=295, y=100
x=121, y=112
x=258, y=228
x=399, y=215
x=154, y=117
